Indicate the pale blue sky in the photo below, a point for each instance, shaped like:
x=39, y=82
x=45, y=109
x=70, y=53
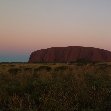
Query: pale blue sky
x=28, y=25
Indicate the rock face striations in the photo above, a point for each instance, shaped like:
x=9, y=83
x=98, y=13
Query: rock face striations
x=70, y=54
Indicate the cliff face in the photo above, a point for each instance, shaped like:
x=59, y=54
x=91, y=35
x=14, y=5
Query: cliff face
x=70, y=54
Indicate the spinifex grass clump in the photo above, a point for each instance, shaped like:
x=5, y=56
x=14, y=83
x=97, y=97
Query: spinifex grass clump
x=57, y=87
x=14, y=71
x=61, y=68
x=46, y=68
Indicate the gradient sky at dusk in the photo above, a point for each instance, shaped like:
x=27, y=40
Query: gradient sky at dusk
x=28, y=25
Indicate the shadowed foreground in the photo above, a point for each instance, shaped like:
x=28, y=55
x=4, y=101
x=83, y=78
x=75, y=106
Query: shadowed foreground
x=55, y=87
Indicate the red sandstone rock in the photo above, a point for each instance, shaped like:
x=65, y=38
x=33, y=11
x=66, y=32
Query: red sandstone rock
x=70, y=54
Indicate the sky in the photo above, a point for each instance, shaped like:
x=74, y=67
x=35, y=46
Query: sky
x=29, y=25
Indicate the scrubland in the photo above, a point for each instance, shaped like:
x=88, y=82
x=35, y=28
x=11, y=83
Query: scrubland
x=55, y=87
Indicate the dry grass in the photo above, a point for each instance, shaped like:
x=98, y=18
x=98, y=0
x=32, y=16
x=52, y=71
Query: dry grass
x=55, y=87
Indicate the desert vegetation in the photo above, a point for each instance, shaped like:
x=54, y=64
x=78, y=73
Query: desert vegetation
x=55, y=87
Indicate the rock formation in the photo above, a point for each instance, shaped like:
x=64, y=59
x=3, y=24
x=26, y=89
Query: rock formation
x=70, y=54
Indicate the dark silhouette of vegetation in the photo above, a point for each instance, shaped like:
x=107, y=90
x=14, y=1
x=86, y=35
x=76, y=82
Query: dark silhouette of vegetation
x=29, y=70
x=47, y=68
x=61, y=68
x=14, y=71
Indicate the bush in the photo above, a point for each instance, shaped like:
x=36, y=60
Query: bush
x=14, y=71
x=61, y=68
x=83, y=61
x=28, y=70
x=46, y=68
